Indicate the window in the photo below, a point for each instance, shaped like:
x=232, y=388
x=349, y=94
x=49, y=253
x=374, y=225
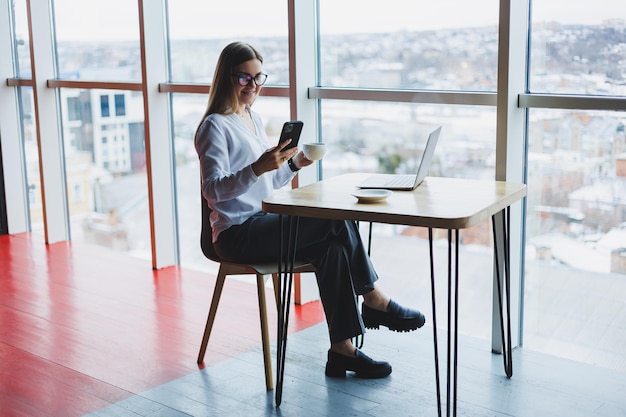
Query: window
x=575, y=234
x=576, y=210
x=22, y=39
x=195, y=46
x=73, y=108
x=444, y=45
x=31, y=154
x=120, y=105
x=100, y=177
x=578, y=53
x=104, y=106
x=387, y=137
x=102, y=44
x=77, y=194
x=413, y=46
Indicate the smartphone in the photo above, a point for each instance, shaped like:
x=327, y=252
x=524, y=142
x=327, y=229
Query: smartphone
x=291, y=130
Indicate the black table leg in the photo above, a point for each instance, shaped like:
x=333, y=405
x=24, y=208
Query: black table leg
x=506, y=343
x=286, y=261
x=434, y=306
x=504, y=305
x=453, y=315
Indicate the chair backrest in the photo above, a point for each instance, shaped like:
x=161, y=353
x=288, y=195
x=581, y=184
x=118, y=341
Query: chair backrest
x=206, y=234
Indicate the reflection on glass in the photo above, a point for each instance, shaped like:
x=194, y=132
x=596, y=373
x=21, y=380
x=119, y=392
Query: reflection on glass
x=196, y=45
x=31, y=154
x=576, y=234
x=187, y=111
x=22, y=39
x=578, y=50
x=444, y=45
x=105, y=166
x=97, y=40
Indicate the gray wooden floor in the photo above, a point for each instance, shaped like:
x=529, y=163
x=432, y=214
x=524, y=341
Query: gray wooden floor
x=542, y=385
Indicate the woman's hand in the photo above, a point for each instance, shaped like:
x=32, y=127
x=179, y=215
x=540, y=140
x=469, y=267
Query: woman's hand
x=301, y=161
x=274, y=158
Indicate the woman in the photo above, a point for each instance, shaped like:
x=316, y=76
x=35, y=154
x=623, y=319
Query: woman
x=239, y=171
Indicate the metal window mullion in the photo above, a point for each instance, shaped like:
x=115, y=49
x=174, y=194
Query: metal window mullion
x=302, y=74
x=158, y=131
x=572, y=102
x=510, y=148
x=302, y=39
x=13, y=158
x=47, y=123
x=486, y=98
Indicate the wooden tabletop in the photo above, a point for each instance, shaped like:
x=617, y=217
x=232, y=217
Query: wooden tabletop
x=446, y=203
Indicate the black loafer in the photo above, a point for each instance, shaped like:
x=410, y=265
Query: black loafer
x=396, y=318
x=362, y=365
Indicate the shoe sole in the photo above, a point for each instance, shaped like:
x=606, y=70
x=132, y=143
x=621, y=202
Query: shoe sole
x=404, y=329
x=360, y=375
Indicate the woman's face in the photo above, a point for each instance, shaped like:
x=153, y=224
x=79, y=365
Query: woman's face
x=246, y=94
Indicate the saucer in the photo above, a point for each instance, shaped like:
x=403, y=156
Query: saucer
x=371, y=195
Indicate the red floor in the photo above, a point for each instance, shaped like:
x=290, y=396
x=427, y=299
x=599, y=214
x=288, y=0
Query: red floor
x=83, y=327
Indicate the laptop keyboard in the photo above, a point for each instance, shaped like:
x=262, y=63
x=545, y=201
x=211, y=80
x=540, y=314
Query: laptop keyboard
x=401, y=181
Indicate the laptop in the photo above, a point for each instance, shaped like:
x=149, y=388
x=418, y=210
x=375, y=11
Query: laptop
x=403, y=182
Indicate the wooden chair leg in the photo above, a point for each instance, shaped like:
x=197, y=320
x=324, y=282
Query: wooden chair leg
x=217, y=292
x=265, y=338
x=276, y=294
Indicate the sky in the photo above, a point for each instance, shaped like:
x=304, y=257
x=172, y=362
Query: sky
x=197, y=19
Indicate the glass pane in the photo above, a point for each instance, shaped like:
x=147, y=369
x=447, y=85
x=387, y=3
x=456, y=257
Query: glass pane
x=575, y=289
x=387, y=137
x=368, y=136
x=187, y=110
x=98, y=40
x=106, y=169
x=22, y=39
x=577, y=49
x=196, y=45
x=31, y=153
x=443, y=45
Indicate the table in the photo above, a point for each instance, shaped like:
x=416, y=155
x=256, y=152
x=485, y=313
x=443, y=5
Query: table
x=438, y=203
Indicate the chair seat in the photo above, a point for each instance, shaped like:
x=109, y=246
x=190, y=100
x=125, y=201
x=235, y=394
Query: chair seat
x=268, y=268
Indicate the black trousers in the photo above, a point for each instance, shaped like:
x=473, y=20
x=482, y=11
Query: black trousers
x=334, y=247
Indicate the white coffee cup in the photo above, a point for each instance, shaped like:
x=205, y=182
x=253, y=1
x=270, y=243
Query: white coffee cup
x=314, y=151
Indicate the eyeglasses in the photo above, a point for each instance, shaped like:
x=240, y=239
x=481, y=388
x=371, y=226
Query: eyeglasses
x=244, y=79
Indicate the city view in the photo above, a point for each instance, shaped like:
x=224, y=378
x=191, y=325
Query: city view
x=575, y=156
x=576, y=203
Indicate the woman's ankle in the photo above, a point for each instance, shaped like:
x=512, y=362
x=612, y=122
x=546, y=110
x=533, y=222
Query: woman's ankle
x=376, y=299
x=345, y=347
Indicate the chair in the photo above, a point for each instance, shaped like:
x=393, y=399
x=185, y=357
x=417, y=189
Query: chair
x=231, y=268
